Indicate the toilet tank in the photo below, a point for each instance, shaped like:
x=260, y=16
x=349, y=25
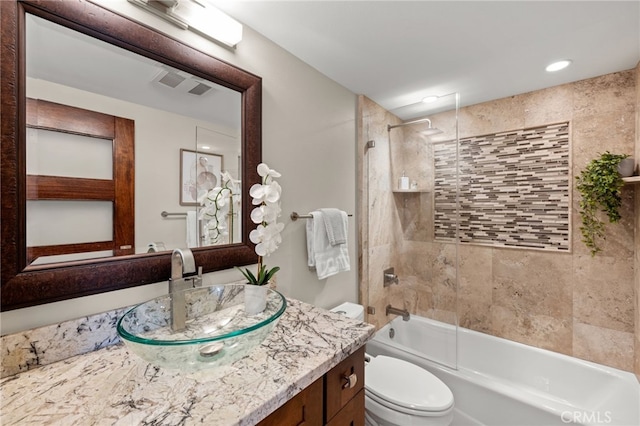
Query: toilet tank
x=351, y=310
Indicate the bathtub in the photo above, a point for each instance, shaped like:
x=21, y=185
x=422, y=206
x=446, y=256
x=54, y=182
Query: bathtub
x=498, y=382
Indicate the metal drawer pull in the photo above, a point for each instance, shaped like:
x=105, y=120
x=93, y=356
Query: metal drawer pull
x=350, y=381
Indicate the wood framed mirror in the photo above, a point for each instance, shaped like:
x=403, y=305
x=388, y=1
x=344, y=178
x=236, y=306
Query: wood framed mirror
x=27, y=284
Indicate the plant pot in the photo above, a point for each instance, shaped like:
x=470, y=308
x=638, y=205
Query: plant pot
x=255, y=298
x=626, y=167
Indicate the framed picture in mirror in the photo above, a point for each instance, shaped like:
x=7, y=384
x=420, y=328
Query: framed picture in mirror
x=199, y=173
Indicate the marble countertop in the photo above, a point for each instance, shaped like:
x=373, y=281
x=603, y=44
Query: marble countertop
x=112, y=386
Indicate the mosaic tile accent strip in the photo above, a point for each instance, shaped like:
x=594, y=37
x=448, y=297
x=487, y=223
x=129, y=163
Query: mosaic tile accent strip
x=514, y=189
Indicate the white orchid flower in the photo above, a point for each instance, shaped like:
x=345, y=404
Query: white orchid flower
x=259, y=237
x=217, y=204
x=264, y=171
x=266, y=236
x=232, y=184
x=269, y=193
x=257, y=193
x=265, y=213
x=256, y=235
x=202, y=200
x=272, y=192
x=225, y=176
x=274, y=206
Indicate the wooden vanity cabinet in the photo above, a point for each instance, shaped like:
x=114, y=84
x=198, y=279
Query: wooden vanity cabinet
x=303, y=409
x=336, y=399
x=344, y=392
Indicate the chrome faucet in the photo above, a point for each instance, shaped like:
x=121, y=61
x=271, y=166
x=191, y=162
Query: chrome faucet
x=183, y=277
x=395, y=311
x=390, y=277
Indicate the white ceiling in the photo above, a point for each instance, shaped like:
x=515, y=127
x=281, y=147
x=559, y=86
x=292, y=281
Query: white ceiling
x=397, y=52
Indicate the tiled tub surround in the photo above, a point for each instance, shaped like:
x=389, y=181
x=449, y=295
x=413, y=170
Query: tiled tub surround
x=568, y=302
x=113, y=386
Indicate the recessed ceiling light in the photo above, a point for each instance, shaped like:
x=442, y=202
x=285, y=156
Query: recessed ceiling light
x=430, y=99
x=559, y=65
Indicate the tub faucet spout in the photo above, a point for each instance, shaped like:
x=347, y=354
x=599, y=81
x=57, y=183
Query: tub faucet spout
x=395, y=311
x=183, y=276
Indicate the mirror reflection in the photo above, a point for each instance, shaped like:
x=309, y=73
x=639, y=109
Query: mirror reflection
x=137, y=186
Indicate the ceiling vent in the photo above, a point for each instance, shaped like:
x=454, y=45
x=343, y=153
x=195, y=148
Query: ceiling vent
x=169, y=78
x=200, y=89
x=182, y=82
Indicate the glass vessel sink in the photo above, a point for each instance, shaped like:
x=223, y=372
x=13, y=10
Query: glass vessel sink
x=218, y=331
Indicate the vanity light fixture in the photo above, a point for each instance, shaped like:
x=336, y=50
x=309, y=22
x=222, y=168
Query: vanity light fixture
x=558, y=65
x=197, y=15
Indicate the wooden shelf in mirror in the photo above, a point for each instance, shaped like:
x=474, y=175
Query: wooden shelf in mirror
x=119, y=190
x=631, y=180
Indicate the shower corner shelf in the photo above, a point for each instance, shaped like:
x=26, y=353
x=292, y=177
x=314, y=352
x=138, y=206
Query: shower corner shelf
x=631, y=180
x=409, y=191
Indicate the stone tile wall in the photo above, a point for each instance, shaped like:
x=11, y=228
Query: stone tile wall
x=570, y=303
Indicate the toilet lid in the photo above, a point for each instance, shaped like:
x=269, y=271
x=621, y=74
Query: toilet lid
x=406, y=385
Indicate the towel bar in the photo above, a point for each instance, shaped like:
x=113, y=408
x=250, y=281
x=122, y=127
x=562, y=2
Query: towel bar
x=165, y=214
x=295, y=216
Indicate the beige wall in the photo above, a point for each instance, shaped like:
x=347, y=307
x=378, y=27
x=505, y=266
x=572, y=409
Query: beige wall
x=570, y=303
x=308, y=136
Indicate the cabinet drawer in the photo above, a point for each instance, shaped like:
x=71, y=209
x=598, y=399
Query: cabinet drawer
x=303, y=409
x=351, y=414
x=337, y=390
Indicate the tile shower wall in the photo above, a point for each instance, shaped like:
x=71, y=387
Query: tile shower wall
x=570, y=303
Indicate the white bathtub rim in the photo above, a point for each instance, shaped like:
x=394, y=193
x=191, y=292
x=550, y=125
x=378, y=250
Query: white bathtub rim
x=527, y=395
x=557, y=407
x=608, y=370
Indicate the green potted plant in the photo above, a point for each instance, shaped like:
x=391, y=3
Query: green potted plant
x=600, y=185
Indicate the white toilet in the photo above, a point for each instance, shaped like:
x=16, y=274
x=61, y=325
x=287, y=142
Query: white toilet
x=398, y=393
x=350, y=310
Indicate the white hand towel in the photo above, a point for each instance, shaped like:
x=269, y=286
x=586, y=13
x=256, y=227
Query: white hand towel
x=192, y=229
x=327, y=260
x=336, y=223
x=311, y=252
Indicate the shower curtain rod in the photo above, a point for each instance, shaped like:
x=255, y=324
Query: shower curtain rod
x=406, y=123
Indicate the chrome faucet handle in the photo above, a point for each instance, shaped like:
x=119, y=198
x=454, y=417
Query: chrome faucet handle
x=197, y=279
x=389, y=277
x=192, y=281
